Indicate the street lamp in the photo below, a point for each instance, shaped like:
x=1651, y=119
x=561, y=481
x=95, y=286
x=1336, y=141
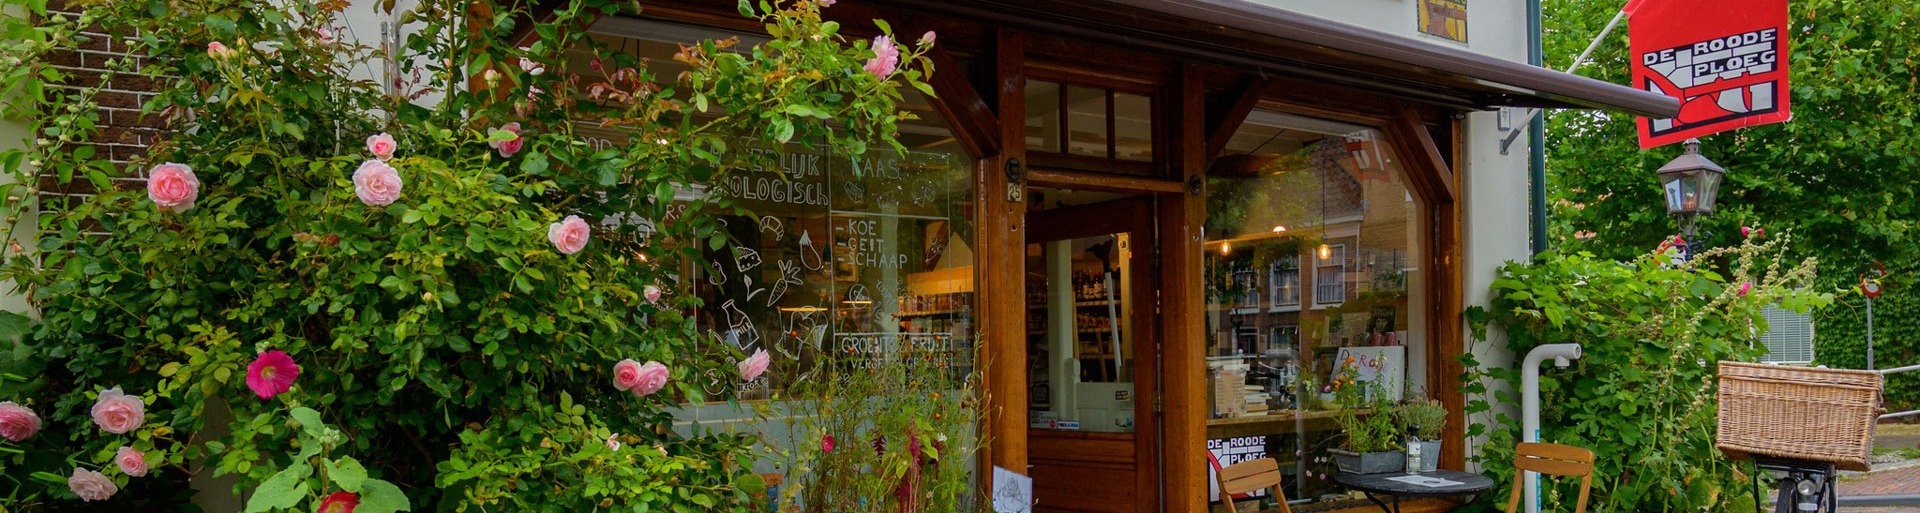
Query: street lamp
x=1691, y=182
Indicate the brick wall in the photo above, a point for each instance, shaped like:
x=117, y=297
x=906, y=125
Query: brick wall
x=123, y=134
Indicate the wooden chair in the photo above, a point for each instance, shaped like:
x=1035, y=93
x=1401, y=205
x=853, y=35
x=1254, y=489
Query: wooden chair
x=1252, y=475
x=1551, y=460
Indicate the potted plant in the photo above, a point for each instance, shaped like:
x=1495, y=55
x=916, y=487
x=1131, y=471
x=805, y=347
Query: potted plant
x=1366, y=418
x=1424, y=417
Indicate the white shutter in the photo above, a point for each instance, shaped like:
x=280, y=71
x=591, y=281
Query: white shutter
x=1789, y=336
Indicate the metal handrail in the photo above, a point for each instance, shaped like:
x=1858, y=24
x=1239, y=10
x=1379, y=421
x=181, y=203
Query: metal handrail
x=1897, y=370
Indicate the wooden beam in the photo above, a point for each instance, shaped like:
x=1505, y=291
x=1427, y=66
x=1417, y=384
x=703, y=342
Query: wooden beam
x=1001, y=253
x=973, y=124
x=1448, y=336
x=1183, y=325
x=1426, y=169
x=1220, y=130
x=1099, y=182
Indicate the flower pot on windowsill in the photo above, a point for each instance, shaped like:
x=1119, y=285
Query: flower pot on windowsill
x=1369, y=463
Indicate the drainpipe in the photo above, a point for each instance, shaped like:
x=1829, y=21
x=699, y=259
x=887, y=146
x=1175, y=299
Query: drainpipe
x=1561, y=354
x=1537, y=138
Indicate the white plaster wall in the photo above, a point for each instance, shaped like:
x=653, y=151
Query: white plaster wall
x=1497, y=28
x=13, y=136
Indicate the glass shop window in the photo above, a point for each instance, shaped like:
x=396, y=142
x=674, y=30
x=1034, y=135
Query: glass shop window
x=1087, y=121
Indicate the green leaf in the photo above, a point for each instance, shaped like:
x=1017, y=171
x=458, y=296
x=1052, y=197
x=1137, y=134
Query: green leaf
x=309, y=420
x=377, y=496
x=284, y=490
x=347, y=473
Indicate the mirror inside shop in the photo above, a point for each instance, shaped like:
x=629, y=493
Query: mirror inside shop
x=1312, y=285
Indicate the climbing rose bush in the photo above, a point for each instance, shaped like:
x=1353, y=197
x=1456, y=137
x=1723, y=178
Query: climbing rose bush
x=428, y=294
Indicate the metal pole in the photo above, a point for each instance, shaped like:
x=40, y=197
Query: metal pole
x=1869, y=333
x=1577, y=61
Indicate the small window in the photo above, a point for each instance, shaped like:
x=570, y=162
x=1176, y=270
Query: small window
x=1284, y=277
x=1330, y=275
x=1093, y=122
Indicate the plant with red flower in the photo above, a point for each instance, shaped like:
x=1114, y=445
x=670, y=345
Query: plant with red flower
x=340, y=502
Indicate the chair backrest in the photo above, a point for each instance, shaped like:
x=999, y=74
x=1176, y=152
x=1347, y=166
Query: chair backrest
x=1251, y=475
x=1551, y=460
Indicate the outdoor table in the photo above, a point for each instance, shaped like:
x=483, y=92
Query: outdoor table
x=1401, y=484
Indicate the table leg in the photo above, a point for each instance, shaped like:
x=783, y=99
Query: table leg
x=1382, y=504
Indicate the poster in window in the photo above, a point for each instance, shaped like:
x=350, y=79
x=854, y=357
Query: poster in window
x=1445, y=19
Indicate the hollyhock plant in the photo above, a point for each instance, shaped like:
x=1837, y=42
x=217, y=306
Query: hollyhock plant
x=376, y=183
x=570, y=235
x=272, y=374
x=172, y=186
x=117, y=412
x=507, y=147
x=17, y=423
x=340, y=502
x=382, y=145
x=653, y=377
x=753, y=366
x=91, y=486
x=626, y=375
x=131, y=462
x=826, y=443
x=886, y=57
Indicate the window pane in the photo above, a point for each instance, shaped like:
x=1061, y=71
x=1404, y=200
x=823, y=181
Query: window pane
x=1043, y=116
x=1087, y=121
x=1132, y=127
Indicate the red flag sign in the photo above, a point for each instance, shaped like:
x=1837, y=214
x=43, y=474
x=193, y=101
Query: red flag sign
x=1726, y=60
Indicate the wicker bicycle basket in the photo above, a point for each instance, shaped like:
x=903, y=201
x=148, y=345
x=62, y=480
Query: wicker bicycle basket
x=1800, y=413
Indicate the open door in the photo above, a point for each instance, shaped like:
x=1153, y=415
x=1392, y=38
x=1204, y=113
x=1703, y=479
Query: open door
x=1092, y=352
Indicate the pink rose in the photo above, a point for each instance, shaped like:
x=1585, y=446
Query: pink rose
x=626, y=374
x=91, y=486
x=886, y=56
x=119, y=413
x=529, y=66
x=326, y=35
x=381, y=145
x=511, y=146
x=132, y=462
x=653, y=294
x=376, y=183
x=569, y=235
x=613, y=441
x=752, y=367
x=653, y=377
x=172, y=186
x=17, y=423
x=927, y=38
x=218, y=50
x=826, y=443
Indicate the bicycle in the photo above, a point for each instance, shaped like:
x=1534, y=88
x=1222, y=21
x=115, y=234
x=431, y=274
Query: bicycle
x=1803, y=424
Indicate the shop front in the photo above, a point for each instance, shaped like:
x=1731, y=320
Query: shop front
x=1152, y=233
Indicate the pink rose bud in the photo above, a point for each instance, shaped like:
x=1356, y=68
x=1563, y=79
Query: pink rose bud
x=531, y=67
x=826, y=443
x=1746, y=231
x=927, y=38
x=653, y=377
x=827, y=3
x=381, y=145
x=91, y=486
x=626, y=375
x=510, y=146
x=376, y=183
x=752, y=367
x=653, y=294
x=570, y=235
x=886, y=56
x=172, y=187
x=117, y=412
x=219, y=50
x=17, y=423
x=132, y=462
x=326, y=35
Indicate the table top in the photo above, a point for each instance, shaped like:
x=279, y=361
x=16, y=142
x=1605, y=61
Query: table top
x=1469, y=483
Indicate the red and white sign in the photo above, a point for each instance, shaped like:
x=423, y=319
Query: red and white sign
x=1726, y=60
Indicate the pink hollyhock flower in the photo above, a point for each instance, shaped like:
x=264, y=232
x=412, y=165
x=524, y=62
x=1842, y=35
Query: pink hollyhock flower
x=172, y=186
x=626, y=374
x=340, y=502
x=17, y=423
x=886, y=56
x=117, y=412
x=752, y=367
x=653, y=294
x=569, y=235
x=511, y=146
x=927, y=38
x=376, y=183
x=381, y=145
x=826, y=443
x=131, y=461
x=1746, y=287
x=91, y=486
x=218, y=50
x=653, y=377
x=272, y=374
